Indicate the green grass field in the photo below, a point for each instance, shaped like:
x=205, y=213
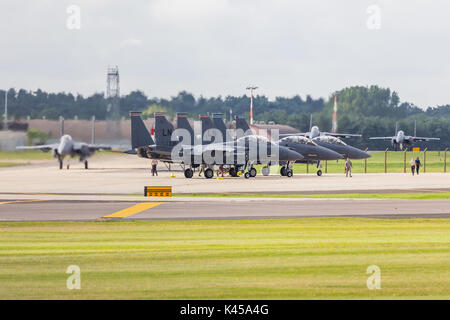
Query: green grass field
x=375, y=164
x=25, y=155
x=12, y=164
x=406, y=195
x=247, y=259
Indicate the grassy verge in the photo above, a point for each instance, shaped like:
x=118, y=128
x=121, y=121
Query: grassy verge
x=12, y=164
x=430, y=195
x=25, y=155
x=247, y=259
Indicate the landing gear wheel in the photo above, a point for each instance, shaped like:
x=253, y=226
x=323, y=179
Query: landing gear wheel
x=209, y=173
x=283, y=171
x=60, y=164
x=319, y=173
x=289, y=173
x=265, y=171
x=188, y=173
x=252, y=172
x=233, y=172
x=68, y=166
x=85, y=164
x=247, y=175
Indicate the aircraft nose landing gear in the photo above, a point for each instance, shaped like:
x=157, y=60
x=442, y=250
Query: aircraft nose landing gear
x=286, y=172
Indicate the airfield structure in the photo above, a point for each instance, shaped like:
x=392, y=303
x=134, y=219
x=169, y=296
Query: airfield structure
x=113, y=102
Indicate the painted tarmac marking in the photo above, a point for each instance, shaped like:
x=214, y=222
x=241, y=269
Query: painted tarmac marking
x=133, y=210
x=21, y=201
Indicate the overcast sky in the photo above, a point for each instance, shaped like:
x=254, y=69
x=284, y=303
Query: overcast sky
x=218, y=47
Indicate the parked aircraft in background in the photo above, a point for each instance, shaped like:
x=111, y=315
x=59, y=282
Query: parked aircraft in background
x=69, y=148
x=238, y=152
x=311, y=152
x=400, y=139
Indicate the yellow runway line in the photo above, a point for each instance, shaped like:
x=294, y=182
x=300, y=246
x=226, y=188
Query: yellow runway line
x=133, y=210
x=21, y=201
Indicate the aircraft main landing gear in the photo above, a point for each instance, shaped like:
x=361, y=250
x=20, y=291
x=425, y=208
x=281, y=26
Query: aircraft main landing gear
x=319, y=172
x=233, y=172
x=85, y=164
x=188, y=173
x=209, y=173
x=265, y=171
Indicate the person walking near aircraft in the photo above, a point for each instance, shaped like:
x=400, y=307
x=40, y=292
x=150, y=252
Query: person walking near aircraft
x=348, y=167
x=418, y=164
x=202, y=169
x=154, y=167
x=220, y=171
x=413, y=165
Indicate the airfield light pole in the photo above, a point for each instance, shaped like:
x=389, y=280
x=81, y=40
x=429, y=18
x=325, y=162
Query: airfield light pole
x=251, y=88
x=335, y=109
x=6, y=110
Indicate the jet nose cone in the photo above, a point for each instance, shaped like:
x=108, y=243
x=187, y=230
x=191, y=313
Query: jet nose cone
x=290, y=155
x=327, y=154
x=358, y=154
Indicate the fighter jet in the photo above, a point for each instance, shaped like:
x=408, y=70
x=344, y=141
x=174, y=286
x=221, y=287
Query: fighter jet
x=332, y=142
x=315, y=132
x=400, y=139
x=69, y=148
x=237, y=154
x=339, y=146
x=311, y=152
x=216, y=132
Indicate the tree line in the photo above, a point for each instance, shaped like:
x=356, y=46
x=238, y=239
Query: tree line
x=371, y=111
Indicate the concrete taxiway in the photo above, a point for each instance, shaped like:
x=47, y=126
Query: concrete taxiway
x=113, y=188
x=126, y=174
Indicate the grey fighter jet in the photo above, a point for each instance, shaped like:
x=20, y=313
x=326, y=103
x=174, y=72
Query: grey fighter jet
x=235, y=153
x=214, y=132
x=69, y=148
x=400, y=139
x=311, y=152
x=331, y=141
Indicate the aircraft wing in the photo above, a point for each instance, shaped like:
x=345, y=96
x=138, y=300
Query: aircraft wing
x=423, y=139
x=293, y=134
x=381, y=138
x=45, y=147
x=341, y=135
x=95, y=147
x=217, y=147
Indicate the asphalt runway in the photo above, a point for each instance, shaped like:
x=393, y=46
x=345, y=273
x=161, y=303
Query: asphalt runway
x=219, y=210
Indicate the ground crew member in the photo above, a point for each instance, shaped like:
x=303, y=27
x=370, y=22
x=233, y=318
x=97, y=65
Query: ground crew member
x=154, y=167
x=348, y=168
x=418, y=165
x=413, y=165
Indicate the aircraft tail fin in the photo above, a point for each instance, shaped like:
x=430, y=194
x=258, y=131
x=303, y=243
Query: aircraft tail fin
x=206, y=125
x=183, y=123
x=163, y=130
x=219, y=124
x=242, y=124
x=140, y=136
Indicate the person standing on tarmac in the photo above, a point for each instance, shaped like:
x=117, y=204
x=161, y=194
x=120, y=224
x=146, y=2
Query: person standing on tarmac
x=348, y=167
x=202, y=169
x=413, y=165
x=418, y=164
x=154, y=167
